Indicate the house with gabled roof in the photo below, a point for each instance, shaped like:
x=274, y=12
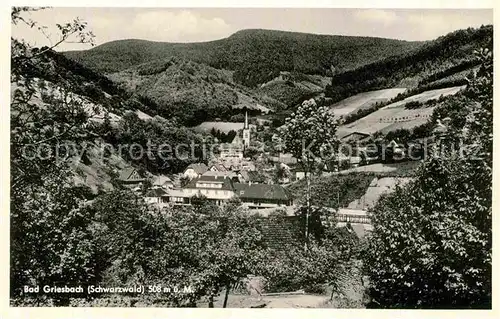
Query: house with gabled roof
x=154, y=196
x=131, y=177
x=163, y=181
x=262, y=195
x=195, y=170
x=226, y=174
x=218, y=168
x=253, y=177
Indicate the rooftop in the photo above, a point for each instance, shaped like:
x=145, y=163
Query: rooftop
x=127, y=174
x=218, y=174
x=199, y=168
x=162, y=180
x=158, y=192
x=226, y=182
x=261, y=191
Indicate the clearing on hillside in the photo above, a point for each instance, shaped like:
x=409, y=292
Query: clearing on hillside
x=221, y=126
x=364, y=100
x=395, y=116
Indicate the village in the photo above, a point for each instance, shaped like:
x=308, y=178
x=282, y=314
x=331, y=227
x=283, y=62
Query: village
x=229, y=175
x=262, y=189
x=263, y=167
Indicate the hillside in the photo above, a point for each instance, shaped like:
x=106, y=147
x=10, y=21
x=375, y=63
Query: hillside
x=190, y=91
x=291, y=88
x=405, y=114
x=363, y=100
x=255, y=56
x=442, y=58
x=112, y=115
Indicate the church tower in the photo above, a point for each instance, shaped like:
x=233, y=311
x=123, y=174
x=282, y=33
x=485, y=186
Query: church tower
x=246, y=132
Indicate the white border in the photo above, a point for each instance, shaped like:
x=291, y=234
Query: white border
x=10, y=312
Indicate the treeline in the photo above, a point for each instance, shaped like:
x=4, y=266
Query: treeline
x=333, y=191
x=57, y=68
x=386, y=73
x=465, y=65
x=124, y=242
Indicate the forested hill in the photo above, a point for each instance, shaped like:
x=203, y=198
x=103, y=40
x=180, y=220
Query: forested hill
x=255, y=56
x=438, y=63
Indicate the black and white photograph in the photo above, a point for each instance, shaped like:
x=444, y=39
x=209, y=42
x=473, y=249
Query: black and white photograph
x=218, y=157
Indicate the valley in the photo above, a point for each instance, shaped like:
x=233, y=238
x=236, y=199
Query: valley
x=266, y=169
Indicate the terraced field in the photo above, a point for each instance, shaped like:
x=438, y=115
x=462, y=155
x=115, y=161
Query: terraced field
x=395, y=116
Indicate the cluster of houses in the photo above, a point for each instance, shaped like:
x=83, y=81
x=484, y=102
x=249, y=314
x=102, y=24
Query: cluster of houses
x=215, y=183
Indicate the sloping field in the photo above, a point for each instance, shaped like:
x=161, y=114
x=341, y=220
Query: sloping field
x=97, y=173
x=245, y=101
x=395, y=115
x=377, y=188
x=426, y=96
x=222, y=126
x=402, y=168
x=364, y=100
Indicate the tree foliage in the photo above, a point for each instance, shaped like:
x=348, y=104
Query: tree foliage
x=50, y=233
x=310, y=134
x=255, y=56
x=203, y=247
x=431, y=243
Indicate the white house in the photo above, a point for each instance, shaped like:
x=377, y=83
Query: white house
x=215, y=188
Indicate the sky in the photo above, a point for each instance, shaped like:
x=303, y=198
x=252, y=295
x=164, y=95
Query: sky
x=206, y=24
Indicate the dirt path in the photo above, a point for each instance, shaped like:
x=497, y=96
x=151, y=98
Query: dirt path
x=290, y=301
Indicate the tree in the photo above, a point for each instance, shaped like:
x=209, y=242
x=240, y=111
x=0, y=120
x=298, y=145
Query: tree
x=51, y=242
x=231, y=252
x=431, y=242
x=202, y=246
x=281, y=173
x=329, y=258
x=310, y=135
x=184, y=180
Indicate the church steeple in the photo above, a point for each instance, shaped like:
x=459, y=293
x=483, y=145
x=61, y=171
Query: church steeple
x=246, y=131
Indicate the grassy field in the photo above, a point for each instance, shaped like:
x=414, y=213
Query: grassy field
x=364, y=100
x=395, y=115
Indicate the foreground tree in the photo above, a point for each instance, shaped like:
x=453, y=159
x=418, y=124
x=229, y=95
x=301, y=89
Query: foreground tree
x=203, y=248
x=431, y=243
x=50, y=238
